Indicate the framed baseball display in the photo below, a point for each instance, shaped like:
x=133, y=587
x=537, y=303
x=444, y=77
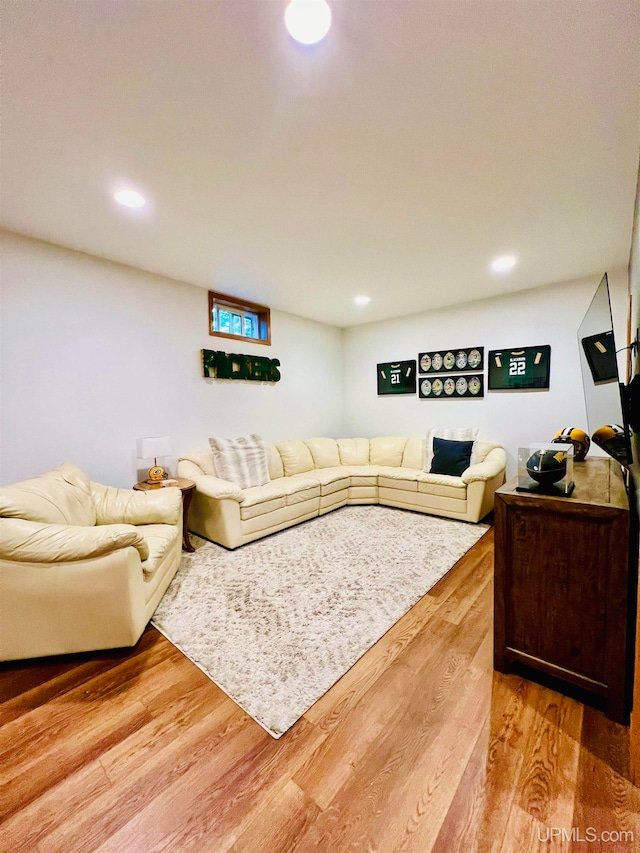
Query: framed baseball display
x=517, y=369
x=451, y=387
x=454, y=360
x=398, y=377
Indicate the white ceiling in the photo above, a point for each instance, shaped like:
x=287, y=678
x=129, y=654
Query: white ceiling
x=395, y=159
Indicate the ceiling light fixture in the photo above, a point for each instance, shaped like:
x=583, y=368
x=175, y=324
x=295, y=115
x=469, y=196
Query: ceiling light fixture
x=308, y=21
x=130, y=198
x=505, y=263
x=362, y=300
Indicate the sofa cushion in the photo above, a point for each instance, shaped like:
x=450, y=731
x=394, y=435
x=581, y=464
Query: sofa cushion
x=262, y=499
x=241, y=460
x=259, y=494
x=330, y=479
x=61, y=496
x=387, y=451
x=296, y=457
x=435, y=504
x=399, y=478
x=274, y=462
x=413, y=455
x=454, y=434
x=442, y=485
x=353, y=451
x=362, y=475
x=285, y=491
x=324, y=451
x=298, y=488
x=450, y=457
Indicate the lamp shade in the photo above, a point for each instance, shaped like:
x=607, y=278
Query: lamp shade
x=154, y=446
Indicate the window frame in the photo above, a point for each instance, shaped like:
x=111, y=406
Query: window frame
x=240, y=306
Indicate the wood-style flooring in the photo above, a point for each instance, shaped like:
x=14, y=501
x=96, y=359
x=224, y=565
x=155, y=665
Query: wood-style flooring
x=419, y=747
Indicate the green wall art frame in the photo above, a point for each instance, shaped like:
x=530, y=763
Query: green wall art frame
x=224, y=365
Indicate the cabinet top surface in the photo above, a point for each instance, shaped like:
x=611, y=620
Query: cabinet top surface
x=598, y=482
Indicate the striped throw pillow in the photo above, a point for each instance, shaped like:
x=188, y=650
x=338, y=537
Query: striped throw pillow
x=242, y=460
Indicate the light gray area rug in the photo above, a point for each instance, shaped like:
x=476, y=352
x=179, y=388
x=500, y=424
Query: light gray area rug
x=277, y=622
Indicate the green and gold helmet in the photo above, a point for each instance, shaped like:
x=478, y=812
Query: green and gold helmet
x=576, y=436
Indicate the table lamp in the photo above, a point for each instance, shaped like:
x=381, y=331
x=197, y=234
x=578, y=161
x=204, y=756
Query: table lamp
x=151, y=448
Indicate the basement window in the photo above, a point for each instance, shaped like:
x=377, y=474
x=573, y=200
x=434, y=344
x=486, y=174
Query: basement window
x=238, y=319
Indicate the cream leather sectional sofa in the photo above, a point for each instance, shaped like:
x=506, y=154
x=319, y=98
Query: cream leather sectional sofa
x=313, y=476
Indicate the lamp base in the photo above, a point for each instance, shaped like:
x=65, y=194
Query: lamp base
x=157, y=474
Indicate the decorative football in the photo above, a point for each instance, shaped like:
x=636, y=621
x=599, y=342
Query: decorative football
x=574, y=435
x=547, y=466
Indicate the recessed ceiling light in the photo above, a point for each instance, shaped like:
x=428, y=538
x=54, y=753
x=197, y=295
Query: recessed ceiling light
x=362, y=300
x=130, y=198
x=308, y=21
x=504, y=263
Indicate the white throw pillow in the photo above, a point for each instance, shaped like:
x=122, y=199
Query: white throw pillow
x=242, y=460
x=453, y=434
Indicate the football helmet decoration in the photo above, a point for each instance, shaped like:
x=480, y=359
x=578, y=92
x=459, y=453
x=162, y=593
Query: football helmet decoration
x=574, y=435
x=613, y=439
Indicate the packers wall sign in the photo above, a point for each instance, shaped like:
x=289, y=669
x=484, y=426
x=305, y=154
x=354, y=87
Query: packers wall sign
x=225, y=365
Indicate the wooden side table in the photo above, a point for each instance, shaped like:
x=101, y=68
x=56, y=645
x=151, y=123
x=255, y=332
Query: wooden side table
x=186, y=487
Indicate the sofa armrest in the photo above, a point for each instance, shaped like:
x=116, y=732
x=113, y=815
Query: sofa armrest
x=214, y=487
x=494, y=462
x=188, y=469
x=74, y=606
x=32, y=542
x=126, y=506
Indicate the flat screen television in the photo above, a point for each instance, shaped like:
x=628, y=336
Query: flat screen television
x=605, y=397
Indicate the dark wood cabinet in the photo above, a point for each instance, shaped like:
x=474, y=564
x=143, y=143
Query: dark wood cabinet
x=565, y=584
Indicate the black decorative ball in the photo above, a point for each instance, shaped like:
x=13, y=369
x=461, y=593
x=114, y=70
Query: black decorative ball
x=547, y=466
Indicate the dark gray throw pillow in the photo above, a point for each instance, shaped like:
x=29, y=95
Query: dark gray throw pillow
x=450, y=457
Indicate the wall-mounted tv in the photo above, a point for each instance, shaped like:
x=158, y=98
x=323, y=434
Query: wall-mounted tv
x=600, y=352
x=605, y=398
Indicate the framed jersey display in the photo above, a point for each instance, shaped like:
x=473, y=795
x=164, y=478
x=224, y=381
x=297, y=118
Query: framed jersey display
x=516, y=369
x=451, y=387
x=454, y=360
x=398, y=377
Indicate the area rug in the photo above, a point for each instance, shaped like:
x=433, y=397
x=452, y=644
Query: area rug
x=275, y=623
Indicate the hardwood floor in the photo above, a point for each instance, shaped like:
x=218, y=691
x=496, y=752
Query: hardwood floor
x=419, y=747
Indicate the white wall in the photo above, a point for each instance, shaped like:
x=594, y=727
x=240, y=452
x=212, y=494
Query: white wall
x=96, y=354
x=549, y=315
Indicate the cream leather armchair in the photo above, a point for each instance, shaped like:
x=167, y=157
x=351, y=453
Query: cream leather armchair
x=82, y=566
